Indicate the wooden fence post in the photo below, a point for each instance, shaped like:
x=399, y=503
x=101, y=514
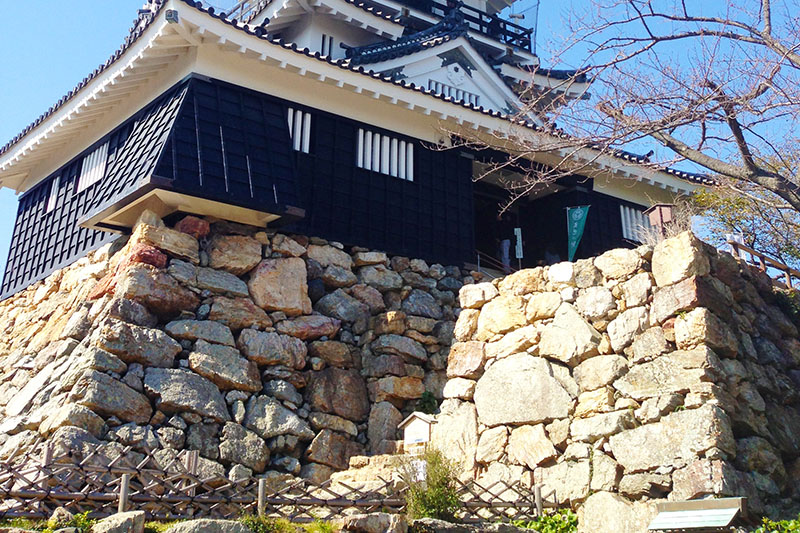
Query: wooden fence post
x=124, y=491
x=47, y=454
x=192, y=459
x=262, y=496
x=537, y=494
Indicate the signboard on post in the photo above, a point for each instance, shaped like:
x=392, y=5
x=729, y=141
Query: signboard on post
x=518, y=250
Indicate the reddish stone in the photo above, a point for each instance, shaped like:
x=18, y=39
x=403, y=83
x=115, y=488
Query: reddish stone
x=196, y=227
x=106, y=285
x=142, y=253
x=137, y=253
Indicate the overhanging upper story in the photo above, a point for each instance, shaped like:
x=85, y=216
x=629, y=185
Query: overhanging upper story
x=180, y=39
x=200, y=114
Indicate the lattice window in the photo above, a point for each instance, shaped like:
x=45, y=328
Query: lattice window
x=299, y=129
x=385, y=154
x=634, y=223
x=93, y=168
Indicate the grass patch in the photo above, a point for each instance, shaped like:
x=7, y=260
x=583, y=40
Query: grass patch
x=159, y=527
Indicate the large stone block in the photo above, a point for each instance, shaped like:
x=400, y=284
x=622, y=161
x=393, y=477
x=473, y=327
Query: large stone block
x=569, y=338
x=466, y=360
x=177, y=391
x=156, y=290
x=604, y=512
x=475, y=295
x=206, y=330
x=619, y=263
x=224, y=367
x=396, y=388
x=340, y=392
x=678, y=372
x=701, y=326
x=237, y=254
x=135, y=344
x=524, y=281
x=238, y=313
x=686, y=295
x=342, y=306
x=270, y=348
x=268, y=418
x=521, y=389
x=600, y=371
x=678, y=438
x=502, y=314
x=456, y=433
x=407, y=348
x=310, y=327
x=570, y=480
x=626, y=326
x=529, y=446
x=383, y=421
x=491, y=444
x=109, y=397
x=281, y=285
x=601, y=425
x=702, y=478
x=240, y=446
x=175, y=243
x=328, y=255
x=678, y=258
x=333, y=449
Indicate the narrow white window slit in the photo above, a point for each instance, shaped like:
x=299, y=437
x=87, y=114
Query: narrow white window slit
x=385, y=154
x=299, y=129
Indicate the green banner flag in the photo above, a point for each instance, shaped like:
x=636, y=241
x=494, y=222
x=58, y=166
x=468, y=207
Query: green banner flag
x=576, y=221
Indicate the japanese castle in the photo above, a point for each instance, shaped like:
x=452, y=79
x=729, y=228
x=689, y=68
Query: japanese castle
x=326, y=117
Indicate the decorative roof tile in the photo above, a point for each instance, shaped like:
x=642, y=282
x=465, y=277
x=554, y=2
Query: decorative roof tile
x=450, y=27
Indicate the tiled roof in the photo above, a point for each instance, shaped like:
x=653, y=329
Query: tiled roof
x=145, y=20
x=357, y=3
x=450, y=27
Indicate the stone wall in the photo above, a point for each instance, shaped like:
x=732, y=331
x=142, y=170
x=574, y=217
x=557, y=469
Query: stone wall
x=264, y=351
x=632, y=377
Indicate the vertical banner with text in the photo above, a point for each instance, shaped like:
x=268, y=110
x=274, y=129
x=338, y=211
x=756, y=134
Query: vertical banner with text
x=576, y=221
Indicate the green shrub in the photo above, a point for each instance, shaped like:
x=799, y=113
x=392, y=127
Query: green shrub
x=437, y=495
x=789, y=302
x=428, y=403
x=260, y=524
x=557, y=522
x=782, y=526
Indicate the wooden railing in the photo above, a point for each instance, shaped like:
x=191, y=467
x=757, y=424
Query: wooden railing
x=763, y=261
x=504, y=31
x=169, y=485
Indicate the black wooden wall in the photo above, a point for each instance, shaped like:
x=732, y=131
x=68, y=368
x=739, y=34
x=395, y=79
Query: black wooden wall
x=544, y=223
x=430, y=217
x=212, y=139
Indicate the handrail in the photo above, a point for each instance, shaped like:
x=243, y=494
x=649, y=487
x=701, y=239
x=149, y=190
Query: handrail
x=493, y=262
x=788, y=272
